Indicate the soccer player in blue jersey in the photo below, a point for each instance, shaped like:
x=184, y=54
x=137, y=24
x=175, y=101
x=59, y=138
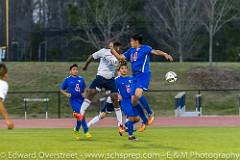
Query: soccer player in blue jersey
x=139, y=56
x=123, y=84
x=73, y=87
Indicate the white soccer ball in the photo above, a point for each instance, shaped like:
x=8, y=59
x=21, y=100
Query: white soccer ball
x=171, y=76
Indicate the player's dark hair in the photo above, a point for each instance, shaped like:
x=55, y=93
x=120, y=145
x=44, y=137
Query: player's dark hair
x=117, y=44
x=3, y=70
x=121, y=65
x=138, y=37
x=73, y=65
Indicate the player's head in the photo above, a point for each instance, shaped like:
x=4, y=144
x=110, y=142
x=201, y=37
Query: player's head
x=3, y=71
x=117, y=46
x=110, y=44
x=123, y=69
x=136, y=40
x=73, y=69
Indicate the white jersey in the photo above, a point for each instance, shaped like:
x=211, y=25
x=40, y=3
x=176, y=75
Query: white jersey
x=108, y=62
x=3, y=89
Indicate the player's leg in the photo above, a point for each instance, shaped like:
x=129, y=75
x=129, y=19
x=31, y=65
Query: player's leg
x=131, y=117
x=130, y=125
x=142, y=115
x=78, y=126
x=117, y=108
x=91, y=92
x=143, y=102
x=140, y=83
x=108, y=108
x=110, y=85
x=85, y=129
x=118, y=113
x=97, y=118
x=75, y=104
x=138, y=94
x=88, y=99
x=76, y=129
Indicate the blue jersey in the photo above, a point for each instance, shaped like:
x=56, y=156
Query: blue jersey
x=139, y=58
x=75, y=86
x=123, y=85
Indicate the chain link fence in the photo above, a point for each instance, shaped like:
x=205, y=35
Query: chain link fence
x=214, y=103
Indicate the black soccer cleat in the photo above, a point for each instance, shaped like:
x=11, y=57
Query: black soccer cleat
x=132, y=138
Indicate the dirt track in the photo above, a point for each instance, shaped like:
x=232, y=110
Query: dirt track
x=231, y=121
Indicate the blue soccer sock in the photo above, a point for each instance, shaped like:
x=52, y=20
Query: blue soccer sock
x=130, y=128
x=78, y=125
x=126, y=123
x=141, y=114
x=84, y=125
x=143, y=102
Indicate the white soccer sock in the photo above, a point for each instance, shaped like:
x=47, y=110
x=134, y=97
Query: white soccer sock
x=118, y=115
x=109, y=100
x=94, y=120
x=85, y=105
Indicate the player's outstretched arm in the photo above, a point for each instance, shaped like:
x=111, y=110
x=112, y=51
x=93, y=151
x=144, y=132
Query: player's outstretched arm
x=65, y=93
x=161, y=53
x=119, y=57
x=88, y=61
x=5, y=115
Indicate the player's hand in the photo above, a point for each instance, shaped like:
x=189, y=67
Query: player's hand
x=10, y=124
x=68, y=95
x=168, y=57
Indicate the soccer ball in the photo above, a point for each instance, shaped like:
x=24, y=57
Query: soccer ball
x=171, y=76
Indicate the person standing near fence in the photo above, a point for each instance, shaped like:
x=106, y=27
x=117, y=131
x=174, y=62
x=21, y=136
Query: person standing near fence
x=3, y=94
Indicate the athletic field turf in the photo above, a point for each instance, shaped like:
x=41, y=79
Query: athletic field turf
x=154, y=143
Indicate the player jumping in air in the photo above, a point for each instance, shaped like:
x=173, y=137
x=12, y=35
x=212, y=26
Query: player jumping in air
x=104, y=80
x=123, y=83
x=139, y=56
x=3, y=94
x=73, y=87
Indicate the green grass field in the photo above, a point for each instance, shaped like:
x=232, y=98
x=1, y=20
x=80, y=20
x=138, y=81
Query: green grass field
x=154, y=143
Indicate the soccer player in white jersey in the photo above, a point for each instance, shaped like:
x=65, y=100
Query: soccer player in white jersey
x=104, y=80
x=3, y=94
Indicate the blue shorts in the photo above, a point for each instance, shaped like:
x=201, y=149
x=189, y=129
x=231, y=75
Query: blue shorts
x=140, y=80
x=101, y=82
x=127, y=108
x=76, y=104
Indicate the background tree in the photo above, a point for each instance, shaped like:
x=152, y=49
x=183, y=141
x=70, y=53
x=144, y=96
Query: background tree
x=215, y=14
x=100, y=21
x=175, y=24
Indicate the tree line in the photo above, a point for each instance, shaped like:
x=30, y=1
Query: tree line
x=59, y=30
